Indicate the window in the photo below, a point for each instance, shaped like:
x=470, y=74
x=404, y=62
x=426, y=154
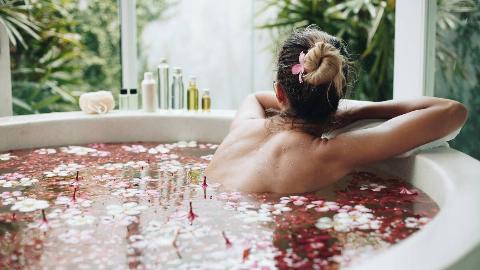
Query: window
x=216, y=41
x=457, y=73
x=71, y=49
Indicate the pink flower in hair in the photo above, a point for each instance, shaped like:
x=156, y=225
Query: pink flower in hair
x=299, y=68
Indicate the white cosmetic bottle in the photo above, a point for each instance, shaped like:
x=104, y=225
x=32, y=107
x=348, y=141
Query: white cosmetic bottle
x=149, y=94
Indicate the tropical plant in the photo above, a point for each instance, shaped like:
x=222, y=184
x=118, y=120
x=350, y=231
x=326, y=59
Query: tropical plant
x=44, y=74
x=458, y=74
x=15, y=17
x=73, y=47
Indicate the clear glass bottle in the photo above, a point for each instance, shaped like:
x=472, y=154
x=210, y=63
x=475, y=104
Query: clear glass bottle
x=163, y=84
x=176, y=99
x=192, y=95
x=123, y=100
x=206, y=101
x=133, y=100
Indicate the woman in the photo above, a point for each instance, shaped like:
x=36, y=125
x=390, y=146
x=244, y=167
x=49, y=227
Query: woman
x=275, y=142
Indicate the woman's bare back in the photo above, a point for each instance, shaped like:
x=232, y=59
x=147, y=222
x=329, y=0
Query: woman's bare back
x=252, y=158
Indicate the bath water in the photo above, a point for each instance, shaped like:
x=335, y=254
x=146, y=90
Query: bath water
x=148, y=206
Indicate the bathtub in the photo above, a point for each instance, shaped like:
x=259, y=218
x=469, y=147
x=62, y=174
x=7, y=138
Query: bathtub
x=450, y=241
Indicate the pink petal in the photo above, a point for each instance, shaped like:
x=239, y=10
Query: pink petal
x=301, y=58
x=296, y=69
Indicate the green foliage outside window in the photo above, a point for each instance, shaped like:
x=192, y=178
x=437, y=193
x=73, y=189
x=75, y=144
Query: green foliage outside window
x=62, y=48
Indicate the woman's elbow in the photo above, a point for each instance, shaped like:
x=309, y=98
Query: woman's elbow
x=457, y=112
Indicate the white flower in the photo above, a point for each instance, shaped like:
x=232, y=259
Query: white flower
x=7, y=156
x=414, y=223
x=64, y=170
x=129, y=209
x=207, y=157
x=346, y=221
x=6, y=184
x=63, y=200
x=322, y=206
x=279, y=208
x=76, y=236
x=373, y=187
x=29, y=205
x=136, y=148
x=162, y=149
x=45, y=151
x=26, y=182
x=80, y=220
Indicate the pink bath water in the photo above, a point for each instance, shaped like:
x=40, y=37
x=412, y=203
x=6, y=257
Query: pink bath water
x=146, y=206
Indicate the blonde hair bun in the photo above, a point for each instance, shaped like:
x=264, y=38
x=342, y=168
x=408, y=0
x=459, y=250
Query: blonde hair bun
x=324, y=64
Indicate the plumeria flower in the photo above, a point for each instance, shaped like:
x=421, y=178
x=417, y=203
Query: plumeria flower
x=229, y=196
x=64, y=170
x=279, y=208
x=26, y=182
x=135, y=148
x=345, y=222
x=183, y=144
x=6, y=184
x=167, y=156
x=415, y=223
x=162, y=149
x=45, y=151
x=406, y=191
x=324, y=206
x=252, y=216
x=373, y=187
x=8, y=194
x=111, y=166
x=136, y=164
x=80, y=220
x=78, y=150
x=207, y=157
x=29, y=205
x=76, y=236
x=6, y=157
x=129, y=209
x=129, y=192
x=64, y=200
x=11, y=176
x=298, y=200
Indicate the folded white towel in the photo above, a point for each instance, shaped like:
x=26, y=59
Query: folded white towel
x=97, y=102
x=369, y=123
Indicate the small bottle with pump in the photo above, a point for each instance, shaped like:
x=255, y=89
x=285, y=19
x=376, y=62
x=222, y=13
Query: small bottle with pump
x=192, y=95
x=163, y=84
x=123, y=100
x=176, y=98
x=149, y=93
x=133, y=100
x=206, y=101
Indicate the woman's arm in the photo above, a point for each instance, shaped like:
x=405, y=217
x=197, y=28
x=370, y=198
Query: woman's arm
x=254, y=106
x=412, y=123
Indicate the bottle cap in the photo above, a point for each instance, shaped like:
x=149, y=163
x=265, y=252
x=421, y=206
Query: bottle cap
x=206, y=92
x=193, y=79
x=133, y=91
x=123, y=91
x=163, y=61
x=177, y=70
x=148, y=76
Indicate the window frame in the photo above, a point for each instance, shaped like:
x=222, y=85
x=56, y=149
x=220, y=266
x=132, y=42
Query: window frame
x=414, y=56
